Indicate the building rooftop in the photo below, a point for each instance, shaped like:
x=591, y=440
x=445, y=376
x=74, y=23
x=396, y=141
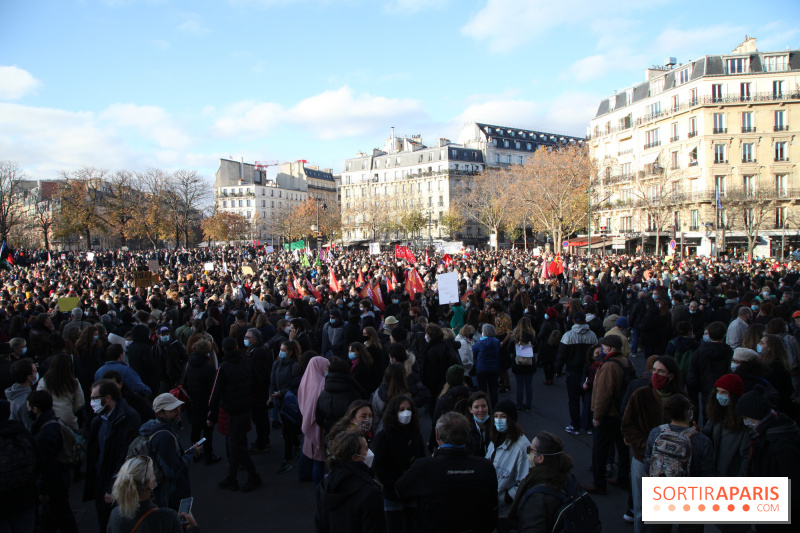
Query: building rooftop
x=706, y=67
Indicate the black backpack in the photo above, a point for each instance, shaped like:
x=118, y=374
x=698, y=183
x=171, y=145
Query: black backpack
x=17, y=461
x=628, y=375
x=577, y=513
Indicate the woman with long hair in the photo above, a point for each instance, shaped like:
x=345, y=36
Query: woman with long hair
x=550, y=468
x=60, y=382
x=774, y=358
x=508, y=451
x=361, y=366
x=397, y=446
x=752, y=336
x=350, y=499
x=394, y=383
x=523, y=364
x=133, y=494
x=375, y=349
x=725, y=428
x=359, y=415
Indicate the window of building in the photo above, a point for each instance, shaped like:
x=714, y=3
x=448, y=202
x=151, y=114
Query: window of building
x=747, y=152
x=430, y=201
x=719, y=123
x=508, y=159
x=739, y=65
x=673, y=160
x=777, y=88
x=528, y=146
x=654, y=109
x=517, y=143
x=348, y=165
x=749, y=185
x=248, y=214
x=224, y=203
x=657, y=86
x=625, y=169
x=692, y=127
x=780, y=121
x=716, y=92
x=744, y=90
x=776, y=63
x=694, y=220
x=780, y=217
x=719, y=183
x=248, y=203
x=747, y=122
x=240, y=203
x=780, y=184
x=441, y=201
x=673, y=132
x=693, y=97
x=496, y=158
x=272, y=203
x=682, y=76
x=651, y=138
x=505, y=143
x=719, y=153
x=675, y=102
x=780, y=151
x=519, y=160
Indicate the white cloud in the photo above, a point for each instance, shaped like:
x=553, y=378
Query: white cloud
x=16, y=82
x=150, y=121
x=410, y=7
x=567, y=113
x=328, y=115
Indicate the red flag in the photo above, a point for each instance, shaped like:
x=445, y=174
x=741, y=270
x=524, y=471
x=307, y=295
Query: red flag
x=394, y=280
x=389, y=285
x=466, y=296
x=360, y=278
x=447, y=260
x=366, y=292
x=399, y=252
x=314, y=291
x=298, y=287
x=377, y=298
x=427, y=259
x=290, y=292
x=333, y=283
x=414, y=284
x=410, y=257
x=556, y=267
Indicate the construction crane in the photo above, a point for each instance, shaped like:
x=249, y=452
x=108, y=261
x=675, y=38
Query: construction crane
x=262, y=165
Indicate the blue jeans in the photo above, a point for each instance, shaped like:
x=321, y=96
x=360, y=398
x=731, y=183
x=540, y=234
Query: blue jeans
x=574, y=394
x=637, y=472
x=524, y=381
x=487, y=382
x=634, y=340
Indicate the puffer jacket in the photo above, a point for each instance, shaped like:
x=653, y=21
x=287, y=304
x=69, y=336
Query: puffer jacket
x=575, y=343
x=282, y=375
x=486, y=354
x=340, y=391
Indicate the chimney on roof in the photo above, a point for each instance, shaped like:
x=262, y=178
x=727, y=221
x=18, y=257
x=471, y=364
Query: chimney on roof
x=670, y=62
x=747, y=46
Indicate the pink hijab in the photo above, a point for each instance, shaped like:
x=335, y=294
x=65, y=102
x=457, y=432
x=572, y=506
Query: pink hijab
x=310, y=388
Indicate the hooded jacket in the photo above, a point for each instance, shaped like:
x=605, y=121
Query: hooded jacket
x=198, y=383
x=340, y=391
x=573, y=348
x=349, y=501
x=18, y=396
x=710, y=361
x=141, y=357
x=165, y=447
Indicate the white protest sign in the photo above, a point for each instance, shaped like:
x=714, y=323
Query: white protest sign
x=448, y=287
x=209, y=267
x=269, y=249
x=257, y=302
x=374, y=248
x=90, y=256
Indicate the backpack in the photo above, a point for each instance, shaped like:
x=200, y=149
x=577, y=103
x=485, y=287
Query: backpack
x=577, y=513
x=73, y=446
x=17, y=462
x=684, y=360
x=554, y=338
x=628, y=375
x=460, y=403
x=140, y=447
x=672, y=453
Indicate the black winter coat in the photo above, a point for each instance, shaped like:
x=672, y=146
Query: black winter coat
x=455, y=492
x=262, y=360
x=233, y=387
x=349, y=501
x=340, y=391
x=436, y=358
x=395, y=451
x=125, y=423
x=24, y=445
x=710, y=361
x=53, y=477
x=198, y=383
x=141, y=357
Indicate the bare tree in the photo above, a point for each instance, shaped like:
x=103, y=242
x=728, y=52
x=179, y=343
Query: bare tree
x=484, y=198
x=749, y=210
x=10, y=216
x=655, y=191
x=42, y=219
x=185, y=200
x=150, y=222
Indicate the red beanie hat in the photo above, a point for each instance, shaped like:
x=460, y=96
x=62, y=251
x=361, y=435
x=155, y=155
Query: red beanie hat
x=731, y=383
x=551, y=312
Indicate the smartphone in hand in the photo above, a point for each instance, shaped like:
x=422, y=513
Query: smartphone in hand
x=185, y=507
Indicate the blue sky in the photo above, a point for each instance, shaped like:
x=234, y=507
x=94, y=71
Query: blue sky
x=177, y=84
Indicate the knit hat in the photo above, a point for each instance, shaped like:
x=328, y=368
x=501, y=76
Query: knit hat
x=612, y=341
x=754, y=404
x=622, y=322
x=796, y=314
x=579, y=316
x=745, y=354
x=507, y=407
x=455, y=375
x=731, y=383
x=552, y=312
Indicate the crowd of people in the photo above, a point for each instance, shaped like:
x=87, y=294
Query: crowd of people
x=343, y=353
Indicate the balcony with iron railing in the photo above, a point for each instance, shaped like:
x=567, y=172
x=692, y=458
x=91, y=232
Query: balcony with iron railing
x=748, y=129
x=693, y=163
x=717, y=131
x=653, y=144
x=674, y=139
x=625, y=152
x=749, y=160
x=720, y=161
x=782, y=127
x=781, y=159
x=692, y=134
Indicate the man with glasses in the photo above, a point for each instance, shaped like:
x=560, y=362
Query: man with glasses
x=112, y=430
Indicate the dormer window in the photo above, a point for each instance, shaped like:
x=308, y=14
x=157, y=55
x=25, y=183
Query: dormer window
x=739, y=65
x=776, y=63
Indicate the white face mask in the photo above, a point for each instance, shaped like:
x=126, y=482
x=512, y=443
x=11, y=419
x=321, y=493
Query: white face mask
x=97, y=405
x=368, y=458
x=404, y=417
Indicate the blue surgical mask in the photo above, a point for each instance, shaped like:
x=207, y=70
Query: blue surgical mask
x=759, y=348
x=706, y=338
x=333, y=321
x=546, y=317
x=352, y=356
x=282, y=354
x=723, y=400
x=247, y=343
x=164, y=338
x=501, y=424
x=24, y=350
x=96, y=337
x=734, y=366
x=754, y=308
x=485, y=418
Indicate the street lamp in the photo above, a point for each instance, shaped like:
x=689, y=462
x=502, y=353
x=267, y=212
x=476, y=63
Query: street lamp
x=316, y=227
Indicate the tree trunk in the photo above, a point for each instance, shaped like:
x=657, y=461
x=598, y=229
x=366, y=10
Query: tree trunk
x=88, y=239
x=46, y=241
x=496, y=239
